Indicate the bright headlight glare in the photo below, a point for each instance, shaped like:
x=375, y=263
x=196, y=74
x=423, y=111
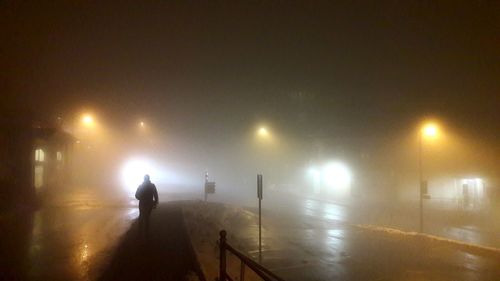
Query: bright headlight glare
x=315, y=174
x=133, y=171
x=336, y=175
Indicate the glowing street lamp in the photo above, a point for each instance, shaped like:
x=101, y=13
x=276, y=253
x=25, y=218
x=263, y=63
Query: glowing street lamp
x=428, y=131
x=142, y=126
x=264, y=141
x=87, y=120
x=263, y=132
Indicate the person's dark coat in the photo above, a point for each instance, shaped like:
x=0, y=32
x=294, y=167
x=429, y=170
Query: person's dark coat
x=147, y=195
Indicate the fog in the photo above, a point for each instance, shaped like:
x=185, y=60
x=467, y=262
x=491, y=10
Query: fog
x=341, y=88
x=375, y=179
x=343, y=169
x=374, y=125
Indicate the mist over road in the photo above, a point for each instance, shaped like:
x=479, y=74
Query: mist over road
x=75, y=234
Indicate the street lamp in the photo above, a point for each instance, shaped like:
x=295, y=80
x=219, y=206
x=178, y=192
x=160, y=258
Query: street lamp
x=263, y=132
x=87, y=120
x=428, y=131
x=264, y=139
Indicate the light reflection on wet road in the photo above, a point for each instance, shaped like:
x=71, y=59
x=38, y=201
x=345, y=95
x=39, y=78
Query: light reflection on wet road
x=67, y=240
x=315, y=245
x=304, y=239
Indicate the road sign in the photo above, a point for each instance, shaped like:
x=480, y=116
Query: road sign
x=259, y=187
x=260, y=195
x=210, y=187
x=423, y=188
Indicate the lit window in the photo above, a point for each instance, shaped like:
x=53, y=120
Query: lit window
x=38, y=176
x=59, y=156
x=39, y=155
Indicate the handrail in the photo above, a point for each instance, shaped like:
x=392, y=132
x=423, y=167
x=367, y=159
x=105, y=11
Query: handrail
x=263, y=272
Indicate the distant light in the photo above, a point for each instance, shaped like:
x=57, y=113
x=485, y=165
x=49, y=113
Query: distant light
x=430, y=130
x=142, y=124
x=88, y=120
x=337, y=175
x=477, y=181
x=133, y=171
x=84, y=254
x=315, y=174
x=39, y=155
x=263, y=132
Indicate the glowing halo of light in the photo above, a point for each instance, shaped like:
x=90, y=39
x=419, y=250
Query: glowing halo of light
x=430, y=130
x=87, y=120
x=314, y=173
x=133, y=171
x=263, y=132
x=315, y=177
x=337, y=175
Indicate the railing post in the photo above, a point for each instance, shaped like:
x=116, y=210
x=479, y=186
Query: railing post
x=242, y=271
x=222, y=254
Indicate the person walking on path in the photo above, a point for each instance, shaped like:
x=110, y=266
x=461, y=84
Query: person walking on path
x=148, y=199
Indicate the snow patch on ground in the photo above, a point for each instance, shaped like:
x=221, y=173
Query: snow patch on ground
x=464, y=246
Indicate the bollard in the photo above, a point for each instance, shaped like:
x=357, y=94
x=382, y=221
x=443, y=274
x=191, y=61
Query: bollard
x=222, y=263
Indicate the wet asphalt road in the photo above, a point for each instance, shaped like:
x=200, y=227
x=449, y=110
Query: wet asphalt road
x=83, y=237
x=73, y=238
x=312, y=248
x=319, y=245
x=70, y=238
x=61, y=243
x=479, y=228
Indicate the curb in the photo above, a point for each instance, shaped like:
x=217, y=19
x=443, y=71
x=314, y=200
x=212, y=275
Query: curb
x=199, y=270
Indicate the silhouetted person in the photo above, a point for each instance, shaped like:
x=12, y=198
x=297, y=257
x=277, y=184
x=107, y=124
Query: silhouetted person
x=148, y=199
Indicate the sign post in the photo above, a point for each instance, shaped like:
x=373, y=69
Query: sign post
x=209, y=187
x=260, y=196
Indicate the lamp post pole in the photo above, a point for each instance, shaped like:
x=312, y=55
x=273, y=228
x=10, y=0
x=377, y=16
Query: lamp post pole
x=420, y=181
x=430, y=130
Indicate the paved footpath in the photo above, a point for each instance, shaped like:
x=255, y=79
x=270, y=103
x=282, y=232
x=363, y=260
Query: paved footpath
x=164, y=255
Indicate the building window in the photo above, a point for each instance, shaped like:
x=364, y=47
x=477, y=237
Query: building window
x=59, y=156
x=38, y=177
x=39, y=155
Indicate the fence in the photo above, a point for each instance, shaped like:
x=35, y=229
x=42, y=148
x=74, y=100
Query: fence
x=245, y=261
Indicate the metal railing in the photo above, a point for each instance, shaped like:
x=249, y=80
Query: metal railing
x=263, y=272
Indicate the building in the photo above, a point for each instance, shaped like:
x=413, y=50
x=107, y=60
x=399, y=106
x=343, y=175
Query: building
x=32, y=159
x=52, y=151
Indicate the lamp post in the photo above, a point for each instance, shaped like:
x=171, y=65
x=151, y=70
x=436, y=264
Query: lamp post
x=87, y=127
x=262, y=137
x=429, y=131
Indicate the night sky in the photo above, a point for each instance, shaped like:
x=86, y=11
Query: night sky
x=311, y=67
